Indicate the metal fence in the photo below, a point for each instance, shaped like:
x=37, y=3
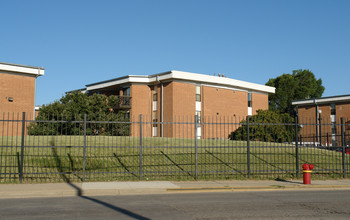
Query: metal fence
x=180, y=148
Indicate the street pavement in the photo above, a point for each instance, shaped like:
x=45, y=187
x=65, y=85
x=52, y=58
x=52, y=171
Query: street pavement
x=287, y=204
x=161, y=187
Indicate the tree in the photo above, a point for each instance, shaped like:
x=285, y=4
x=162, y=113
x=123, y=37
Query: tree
x=69, y=113
x=301, y=84
x=266, y=125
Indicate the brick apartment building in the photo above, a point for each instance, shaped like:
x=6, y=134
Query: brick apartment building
x=179, y=96
x=321, y=118
x=17, y=91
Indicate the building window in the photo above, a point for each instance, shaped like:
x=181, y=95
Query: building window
x=126, y=91
x=154, y=119
x=333, y=109
x=155, y=108
x=198, y=93
x=347, y=126
x=155, y=94
x=250, y=104
x=334, y=125
x=155, y=126
x=198, y=113
x=334, y=129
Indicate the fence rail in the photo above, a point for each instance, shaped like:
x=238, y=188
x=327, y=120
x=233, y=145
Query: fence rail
x=184, y=148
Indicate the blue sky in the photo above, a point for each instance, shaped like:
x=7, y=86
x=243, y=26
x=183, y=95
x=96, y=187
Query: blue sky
x=82, y=42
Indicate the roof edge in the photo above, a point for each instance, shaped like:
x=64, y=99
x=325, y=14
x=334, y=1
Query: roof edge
x=20, y=65
x=322, y=100
x=32, y=70
x=185, y=76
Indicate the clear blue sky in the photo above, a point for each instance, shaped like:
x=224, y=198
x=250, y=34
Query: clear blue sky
x=82, y=42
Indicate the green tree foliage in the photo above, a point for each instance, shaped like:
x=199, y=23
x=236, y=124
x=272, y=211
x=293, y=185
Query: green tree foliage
x=266, y=125
x=301, y=84
x=66, y=116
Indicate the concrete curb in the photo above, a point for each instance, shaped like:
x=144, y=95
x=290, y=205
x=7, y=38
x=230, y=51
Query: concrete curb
x=156, y=187
x=256, y=188
x=83, y=189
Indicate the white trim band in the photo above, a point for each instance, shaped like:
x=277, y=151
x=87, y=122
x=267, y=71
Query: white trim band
x=184, y=76
x=37, y=71
x=322, y=100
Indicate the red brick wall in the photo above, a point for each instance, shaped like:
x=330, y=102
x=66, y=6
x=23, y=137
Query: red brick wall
x=260, y=101
x=228, y=107
x=179, y=105
x=141, y=104
x=184, y=99
x=307, y=117
x=21, y=88
x=343, y=110
x=168, y=108
x=223, y=102
x=221, y=106
x=325, y=119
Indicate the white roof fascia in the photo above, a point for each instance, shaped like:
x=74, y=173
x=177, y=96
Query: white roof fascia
x=38, y=71
x=225, y=87
x=321, y=101
x=127, y=79
x=184, y=76
x=222, y=81
x=303, y=102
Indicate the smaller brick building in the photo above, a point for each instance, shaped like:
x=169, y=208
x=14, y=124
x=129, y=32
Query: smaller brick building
x=176, y=96
x=17, y=91
x=321, y=118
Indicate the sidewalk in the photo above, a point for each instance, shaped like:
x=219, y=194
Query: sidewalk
x=161, y=187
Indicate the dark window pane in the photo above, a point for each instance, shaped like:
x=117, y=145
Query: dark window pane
x=198, y=97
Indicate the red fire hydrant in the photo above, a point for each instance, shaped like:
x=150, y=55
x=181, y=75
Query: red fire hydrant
x=307, y=169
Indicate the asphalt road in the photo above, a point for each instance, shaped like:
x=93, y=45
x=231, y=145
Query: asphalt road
x=224, y=205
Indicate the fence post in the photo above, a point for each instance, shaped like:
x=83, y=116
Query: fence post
x=22, y=147
x=84, y=148
x=328, y=143
x=196, y=145
x=296, y=146
x=343, y=146
x=320, y=130
x=248, y=147
x=140, y=147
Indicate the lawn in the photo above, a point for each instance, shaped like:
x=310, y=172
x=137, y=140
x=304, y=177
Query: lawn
x=107, y=158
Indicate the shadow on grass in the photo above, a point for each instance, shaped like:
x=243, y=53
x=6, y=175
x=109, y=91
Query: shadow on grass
x=123, y=165
x=177, y=165
x=223, y=162
x=80, y=192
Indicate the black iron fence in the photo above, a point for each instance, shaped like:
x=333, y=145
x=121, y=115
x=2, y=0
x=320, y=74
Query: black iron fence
x=180, y=148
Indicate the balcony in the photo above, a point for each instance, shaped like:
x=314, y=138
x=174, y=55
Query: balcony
x=124, y=102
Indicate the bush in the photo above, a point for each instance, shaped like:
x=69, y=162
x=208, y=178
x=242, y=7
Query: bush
x=266, y=125
x=66, y=115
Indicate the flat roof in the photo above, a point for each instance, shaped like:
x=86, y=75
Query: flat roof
x=323, y=100
x=182, y=76
x=18, y=68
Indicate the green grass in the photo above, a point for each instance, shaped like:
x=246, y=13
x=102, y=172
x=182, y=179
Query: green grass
x=61, y=158
x=66, y=140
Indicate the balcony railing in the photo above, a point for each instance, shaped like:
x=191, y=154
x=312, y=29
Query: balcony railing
x=124, y=102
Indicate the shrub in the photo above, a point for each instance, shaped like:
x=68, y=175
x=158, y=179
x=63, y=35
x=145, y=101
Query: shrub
x=266, y=125
x=66, y=115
